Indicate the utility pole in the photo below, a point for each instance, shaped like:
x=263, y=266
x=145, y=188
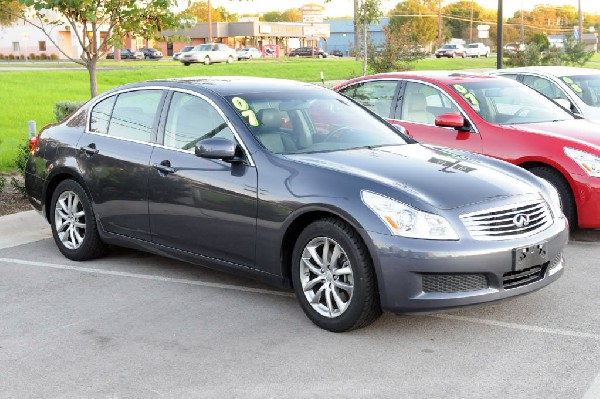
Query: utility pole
x=471, y=25
x=209, y=22
x=440, y=23
x=580, y=22
x=499, y=37
x=522, y=24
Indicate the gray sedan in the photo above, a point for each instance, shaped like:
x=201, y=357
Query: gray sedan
x=298, y=186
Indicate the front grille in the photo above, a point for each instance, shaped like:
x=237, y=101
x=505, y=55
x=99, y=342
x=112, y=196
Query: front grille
x=523, y=277
x=454, y=282
x=502, y=223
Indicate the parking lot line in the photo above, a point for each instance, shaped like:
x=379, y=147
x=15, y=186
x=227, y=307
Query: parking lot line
x=593, y=391
x=494, y=323
x=148, y=277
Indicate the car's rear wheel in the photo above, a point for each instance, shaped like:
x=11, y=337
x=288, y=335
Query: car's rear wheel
x=229, y=59
x=186, y=63
x=73, y=223
x=333, y=276
x=147, y=57
x=207, y=60
x=567, y=201
x=453, y=55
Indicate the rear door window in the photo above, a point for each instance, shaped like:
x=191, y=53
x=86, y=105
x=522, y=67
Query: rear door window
x=135, y=115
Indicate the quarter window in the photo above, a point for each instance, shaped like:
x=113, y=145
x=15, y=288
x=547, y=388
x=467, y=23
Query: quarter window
x=134, y=115
x=376, y=95
x=101, y=115
x=192, y=119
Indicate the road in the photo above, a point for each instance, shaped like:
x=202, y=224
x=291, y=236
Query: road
x=137, y=325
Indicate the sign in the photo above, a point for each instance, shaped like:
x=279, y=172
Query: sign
x=312, y=19
x=483, y=27
x=270, y=51
x=483, y=34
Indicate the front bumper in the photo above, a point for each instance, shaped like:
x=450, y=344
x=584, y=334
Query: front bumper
x=426, y=275
x=587, y=197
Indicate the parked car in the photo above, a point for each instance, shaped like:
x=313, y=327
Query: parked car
x=209, y=53
x=576, y=89
x=477, y=50
x=337, y=53
x=151, y=53
x=127, y=54
x=298, y=186
x=248, y=53
x=183, y=50
x=497, y=117
x=451, y=51
x=308, y=52
x=512, y=49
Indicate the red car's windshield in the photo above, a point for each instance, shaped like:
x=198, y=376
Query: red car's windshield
x=506, y=102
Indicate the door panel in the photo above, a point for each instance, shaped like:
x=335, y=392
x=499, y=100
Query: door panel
x=199, y=205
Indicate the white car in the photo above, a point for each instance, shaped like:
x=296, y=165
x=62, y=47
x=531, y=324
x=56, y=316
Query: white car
x=577, y=89
x=209, y=53
x=248, y=53
x=183, y=50
x=477, y=50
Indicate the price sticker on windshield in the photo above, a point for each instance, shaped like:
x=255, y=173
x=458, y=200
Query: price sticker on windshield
x=241, y=105
x=470, y=97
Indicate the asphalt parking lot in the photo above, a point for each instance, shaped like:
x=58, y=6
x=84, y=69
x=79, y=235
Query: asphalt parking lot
x=137, y=325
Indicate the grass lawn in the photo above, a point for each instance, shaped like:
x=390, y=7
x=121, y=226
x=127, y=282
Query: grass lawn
x=31, y=94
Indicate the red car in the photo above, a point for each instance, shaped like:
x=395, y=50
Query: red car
x=496, y=117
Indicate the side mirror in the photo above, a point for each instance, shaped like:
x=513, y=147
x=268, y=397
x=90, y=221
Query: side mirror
x=217, y=148
x=452, y=120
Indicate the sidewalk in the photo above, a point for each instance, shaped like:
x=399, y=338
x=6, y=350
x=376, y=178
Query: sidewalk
x=23, y=228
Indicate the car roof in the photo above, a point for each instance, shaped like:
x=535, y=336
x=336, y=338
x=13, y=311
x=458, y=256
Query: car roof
x=554, y=70
x=229, y=85
x=445, y=77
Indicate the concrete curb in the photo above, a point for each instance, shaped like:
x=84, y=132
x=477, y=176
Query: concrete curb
x=23, y=228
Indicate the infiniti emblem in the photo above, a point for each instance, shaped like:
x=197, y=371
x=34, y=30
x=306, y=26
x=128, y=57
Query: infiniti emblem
x=521, y=220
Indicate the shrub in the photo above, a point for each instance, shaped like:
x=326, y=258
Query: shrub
x=43, y=56
x=63, y=109
x=1, y=56
x=31, y=56
x=11, y=56
x=20, y=162
x=2, y=183
x=22, y=56
x=53, y=57
x=531, y=56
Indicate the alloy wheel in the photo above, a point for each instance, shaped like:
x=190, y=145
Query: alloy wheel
x=69, y=220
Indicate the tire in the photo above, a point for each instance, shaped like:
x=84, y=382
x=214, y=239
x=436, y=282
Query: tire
x=207, y=60
x=438, y=56
x=229, y=59
x=147, y=57
x=186, y=63
x=71, y=207
x=567, y=200
x=453, y=55
x=249, y=58
x=487, y=55
x=340, y=309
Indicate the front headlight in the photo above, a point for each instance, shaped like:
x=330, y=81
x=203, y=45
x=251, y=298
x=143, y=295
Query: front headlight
x=552, y=197
x=403, y=220
x=590, y=163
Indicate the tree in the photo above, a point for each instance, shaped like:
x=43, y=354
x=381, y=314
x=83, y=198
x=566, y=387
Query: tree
x=369, y=12
x=199, y=11
x=9, y=11
x=98, y=24
x=458, y=17
x=400, y=51
x=289, y=15
x=415, y=17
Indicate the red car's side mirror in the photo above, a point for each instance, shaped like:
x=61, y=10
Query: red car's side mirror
x=452, y=120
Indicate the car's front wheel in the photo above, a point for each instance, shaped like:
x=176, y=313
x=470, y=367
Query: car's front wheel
x=207, y=60
x=333, y=276
x=73, y=223
x=229, y=59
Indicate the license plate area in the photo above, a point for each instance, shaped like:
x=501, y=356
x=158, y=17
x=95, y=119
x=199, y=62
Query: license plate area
x=529, y=256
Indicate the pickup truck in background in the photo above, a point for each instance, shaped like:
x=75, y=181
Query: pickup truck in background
x=477, y=50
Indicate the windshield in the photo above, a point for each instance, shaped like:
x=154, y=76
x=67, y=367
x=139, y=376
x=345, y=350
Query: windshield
x=504, y=102
x=313, y=120
x=203, y=47
x=472, y=46
x=586, y=87
x=447, y=46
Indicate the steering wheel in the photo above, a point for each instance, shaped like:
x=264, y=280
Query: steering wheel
x=523, y=111
x=334, y=131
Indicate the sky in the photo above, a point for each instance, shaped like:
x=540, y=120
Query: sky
x=338, y=8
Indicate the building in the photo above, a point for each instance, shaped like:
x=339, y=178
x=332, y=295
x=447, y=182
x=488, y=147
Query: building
x=342, y=34
x=249, y=33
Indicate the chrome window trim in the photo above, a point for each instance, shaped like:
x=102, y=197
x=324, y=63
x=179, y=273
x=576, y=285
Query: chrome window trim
x=155, y=144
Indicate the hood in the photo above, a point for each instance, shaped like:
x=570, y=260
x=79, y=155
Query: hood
x=443, y=178
x=577, y=130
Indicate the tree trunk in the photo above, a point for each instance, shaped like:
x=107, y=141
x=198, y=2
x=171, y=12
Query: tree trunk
x=91, y=67
x=356, y=32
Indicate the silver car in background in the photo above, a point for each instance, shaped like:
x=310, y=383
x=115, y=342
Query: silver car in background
x=576, y=89
x=209, y=53
x=183, y=50
x=248, y=53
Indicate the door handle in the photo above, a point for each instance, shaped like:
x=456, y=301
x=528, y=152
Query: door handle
x=90, y=149
x=164, y=167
